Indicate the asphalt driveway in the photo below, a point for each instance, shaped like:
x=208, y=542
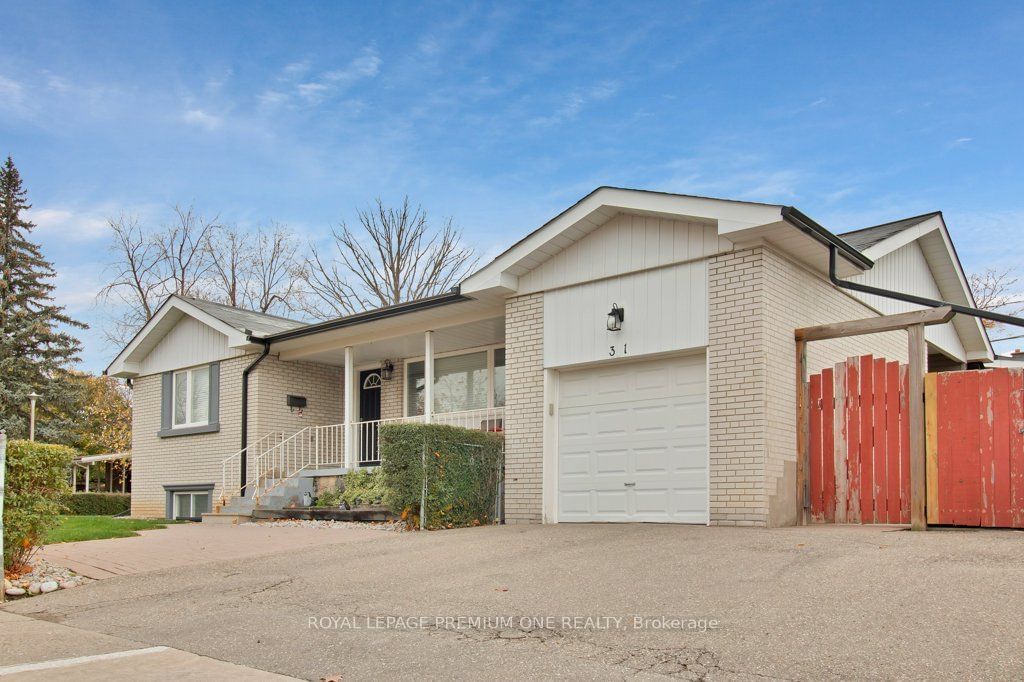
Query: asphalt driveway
x=800, y=603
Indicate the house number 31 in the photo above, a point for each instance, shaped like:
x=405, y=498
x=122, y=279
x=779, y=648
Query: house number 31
x=625, y=349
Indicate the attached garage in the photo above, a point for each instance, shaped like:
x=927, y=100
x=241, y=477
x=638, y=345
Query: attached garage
x=632, y=442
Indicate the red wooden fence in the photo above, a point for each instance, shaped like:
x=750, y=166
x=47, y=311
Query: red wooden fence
x=975, y=443
x=860, y=443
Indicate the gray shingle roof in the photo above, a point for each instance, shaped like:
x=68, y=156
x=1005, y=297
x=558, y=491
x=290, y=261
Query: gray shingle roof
x=258, y=324
x=867, y=237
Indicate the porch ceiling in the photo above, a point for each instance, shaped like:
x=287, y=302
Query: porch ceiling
x=470, y=334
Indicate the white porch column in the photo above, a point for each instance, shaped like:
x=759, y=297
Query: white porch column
x=350, y=400
x=88, y=470
x=428, y=377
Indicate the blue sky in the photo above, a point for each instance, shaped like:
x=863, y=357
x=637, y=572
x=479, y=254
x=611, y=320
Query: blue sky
x=501, y=115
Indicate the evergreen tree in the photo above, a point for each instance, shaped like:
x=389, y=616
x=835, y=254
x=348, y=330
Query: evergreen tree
x=36, y=347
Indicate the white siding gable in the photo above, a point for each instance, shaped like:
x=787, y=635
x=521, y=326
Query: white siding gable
x=189, y=342
x=666, y=310
x=907, y=271
x=626, y=243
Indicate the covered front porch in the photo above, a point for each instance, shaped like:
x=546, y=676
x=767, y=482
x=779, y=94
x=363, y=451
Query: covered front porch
x=442, y=364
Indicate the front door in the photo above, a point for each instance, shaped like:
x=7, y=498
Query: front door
x=369, y=411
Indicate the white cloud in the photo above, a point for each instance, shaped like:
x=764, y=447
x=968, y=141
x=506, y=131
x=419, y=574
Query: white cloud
x=312, y=92
x=76, y=286
x=272, y=98
x=295, y=69
x=366, y=65
x=12, y=95
x=429, y=45
x=960, y=141
x=74, y=224
x=315, y=89
x=198, y=117
x=734, y=177
x=575, y=101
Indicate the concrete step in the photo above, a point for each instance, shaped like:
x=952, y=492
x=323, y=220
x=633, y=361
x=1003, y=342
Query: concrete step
x=214, y=517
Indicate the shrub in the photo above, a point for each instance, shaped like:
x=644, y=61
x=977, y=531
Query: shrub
x=364, y=486
x=37, y=480
x=97, y=504
x=328, y=498
x=462, y=469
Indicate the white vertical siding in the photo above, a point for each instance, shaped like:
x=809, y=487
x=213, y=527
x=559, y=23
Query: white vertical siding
x=666, y=310
x=625, y=243
x=190, y=342
x=907, y=271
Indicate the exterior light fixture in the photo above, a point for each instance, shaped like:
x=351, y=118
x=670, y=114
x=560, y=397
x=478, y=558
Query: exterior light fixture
x=615, y=317
x=387, y=370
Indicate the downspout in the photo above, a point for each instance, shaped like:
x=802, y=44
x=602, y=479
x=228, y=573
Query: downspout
x=918, y=300
x=244, y=457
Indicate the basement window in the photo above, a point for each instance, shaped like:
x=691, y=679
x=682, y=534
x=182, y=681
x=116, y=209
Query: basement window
x=188, y=501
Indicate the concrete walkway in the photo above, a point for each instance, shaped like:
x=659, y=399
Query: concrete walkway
x=76, y=654
x=196, y=543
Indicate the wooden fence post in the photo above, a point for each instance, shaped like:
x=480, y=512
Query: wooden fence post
x=802, y=431
x=915, y=403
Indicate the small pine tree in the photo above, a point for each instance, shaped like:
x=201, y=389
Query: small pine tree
x=36, y=346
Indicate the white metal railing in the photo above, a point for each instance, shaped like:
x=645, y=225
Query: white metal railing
x=231, y=467
x=274, y=458
x=313, y=446
x=366, y=437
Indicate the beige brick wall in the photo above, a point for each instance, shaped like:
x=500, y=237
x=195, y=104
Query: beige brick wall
x=392, y=393
x=757, y=299
x=736, y=388
x=273, y=380
x=524, y=408
x=197, y=458
x=184, y=459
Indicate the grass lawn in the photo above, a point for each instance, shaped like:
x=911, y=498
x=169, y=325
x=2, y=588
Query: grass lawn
x=78, y=528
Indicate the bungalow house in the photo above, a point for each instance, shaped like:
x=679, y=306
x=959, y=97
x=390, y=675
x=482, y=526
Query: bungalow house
x=637, y=351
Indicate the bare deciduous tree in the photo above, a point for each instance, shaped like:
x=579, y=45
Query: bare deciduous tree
x=139, y=281
x=148, y=266
x=185, y=250
x=397, y=257
x=262, y=271
x=997, y=290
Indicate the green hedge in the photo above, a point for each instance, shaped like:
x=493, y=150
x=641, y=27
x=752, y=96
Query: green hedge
x=37, y=481
x=97, y=504
x=463, y=471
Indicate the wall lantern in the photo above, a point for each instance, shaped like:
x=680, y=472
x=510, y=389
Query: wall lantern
x=387, y=370
x=615, y=318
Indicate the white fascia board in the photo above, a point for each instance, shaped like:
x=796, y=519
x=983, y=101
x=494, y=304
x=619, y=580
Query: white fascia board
x=731, y=216
x=903, y=238
x=964, y=296
x=128, y=362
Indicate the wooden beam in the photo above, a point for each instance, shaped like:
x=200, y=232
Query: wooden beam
x=918, y=466
x=875, y=325
x=802, y=430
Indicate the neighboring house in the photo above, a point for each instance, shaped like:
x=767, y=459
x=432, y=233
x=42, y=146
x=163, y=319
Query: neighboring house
x=686, y=413
x=1014, y=360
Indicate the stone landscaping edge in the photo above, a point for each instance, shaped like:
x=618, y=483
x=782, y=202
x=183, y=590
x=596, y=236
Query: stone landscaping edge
x=43, y=578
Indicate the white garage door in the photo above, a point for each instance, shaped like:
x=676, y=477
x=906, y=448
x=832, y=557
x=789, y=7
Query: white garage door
x=632, y=442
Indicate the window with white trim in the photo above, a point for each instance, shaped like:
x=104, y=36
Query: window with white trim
x=191, y=398
x=465, y=381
